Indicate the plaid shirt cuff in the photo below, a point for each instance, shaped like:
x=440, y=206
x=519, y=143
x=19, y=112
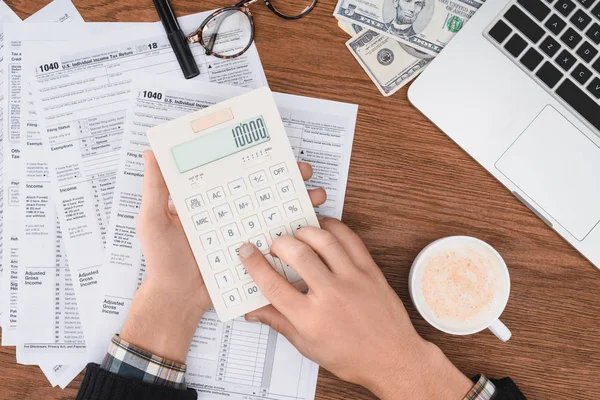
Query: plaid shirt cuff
x=130, y=361
x=483, y=389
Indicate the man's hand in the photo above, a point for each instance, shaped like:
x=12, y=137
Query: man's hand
x=351, y=321
x=168, y=306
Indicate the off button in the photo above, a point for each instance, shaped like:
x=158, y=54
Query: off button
x=279, y=170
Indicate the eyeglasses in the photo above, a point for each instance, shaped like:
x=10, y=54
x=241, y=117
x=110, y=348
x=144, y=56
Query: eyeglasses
x=229, y=31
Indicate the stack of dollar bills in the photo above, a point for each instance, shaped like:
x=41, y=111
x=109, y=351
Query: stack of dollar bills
x=394, y=40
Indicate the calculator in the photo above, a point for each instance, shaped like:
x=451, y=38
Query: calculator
x=233, y=178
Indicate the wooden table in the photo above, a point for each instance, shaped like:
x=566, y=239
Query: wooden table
x=409, y=184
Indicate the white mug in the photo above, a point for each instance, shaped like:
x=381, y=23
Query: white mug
x=491, y=320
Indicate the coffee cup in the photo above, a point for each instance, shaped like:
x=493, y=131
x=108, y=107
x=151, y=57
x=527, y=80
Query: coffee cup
x=461, y=285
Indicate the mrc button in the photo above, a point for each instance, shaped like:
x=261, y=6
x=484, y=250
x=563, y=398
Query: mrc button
x=201, y=221
x=279, y=170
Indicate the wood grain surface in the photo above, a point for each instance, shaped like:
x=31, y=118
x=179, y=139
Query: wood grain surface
x=409, y=184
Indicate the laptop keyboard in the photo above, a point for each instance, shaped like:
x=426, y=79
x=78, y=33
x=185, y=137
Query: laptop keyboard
x=556, y=42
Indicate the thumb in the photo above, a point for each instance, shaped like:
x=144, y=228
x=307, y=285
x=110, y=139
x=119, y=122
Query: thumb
x=277, y=321
x=155, y=194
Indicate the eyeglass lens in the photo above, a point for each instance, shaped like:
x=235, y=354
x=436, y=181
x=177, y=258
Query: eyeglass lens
x=293, y=8
x=227, y=33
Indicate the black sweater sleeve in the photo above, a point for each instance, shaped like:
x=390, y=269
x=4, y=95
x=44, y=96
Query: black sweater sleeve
x=506, y=389
x=99, y=384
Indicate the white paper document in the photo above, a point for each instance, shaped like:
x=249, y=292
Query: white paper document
x=11, y=165
x=236, y=358
x=81, y=95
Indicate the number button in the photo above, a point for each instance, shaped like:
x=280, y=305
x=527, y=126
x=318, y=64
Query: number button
x=260, y=242
x=298, y=224
x=272, y=216
x=258, y=178
x=244, y=205
x=234, y=251
x=278, y=232
x=230, y=232
x=232, y=298
x=223, y=213
x=209, y=240
x=285, y=189
x=264, y=197
x=224, y=279
x=243, y=273
x=279, y=170
x=216, y=195
x=236, y=187
x=252, y=290
x=292, y=208
x=251, y=224
x=201, y=221
x=194, y=202
x=217, y=260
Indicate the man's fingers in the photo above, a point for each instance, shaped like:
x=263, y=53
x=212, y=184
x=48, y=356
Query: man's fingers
x=269, y=315
x=305, y=170
x=303, y=260
x=328, y=247
x=276, y=289
x=317, y=196
x=155, y=195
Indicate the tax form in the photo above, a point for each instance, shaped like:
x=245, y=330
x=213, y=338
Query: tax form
x=82, y=95
x=236, y=358
x=57, y=12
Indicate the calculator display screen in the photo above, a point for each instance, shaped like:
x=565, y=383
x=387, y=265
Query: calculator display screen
x=220, y=144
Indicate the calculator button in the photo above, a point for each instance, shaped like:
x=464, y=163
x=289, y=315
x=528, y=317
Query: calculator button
x=234, y=251
x=201, y=221
x=232, y=298
x=236, y=187
x=279, y=170
x=251, y=224
x=217, y=260
x=298, y=224
x=265, y=196
x=224, y=279
x=244, y=205
x=209, y=240
x=223, y=212
x=258, y=178
x=272, y=216
x=230, y=232
x=275, y=264
x=260, y=242
x=290, y=274
x=285, y=189
x=278, y=232
x=243, y=273
x=216, y=195
x=251, y=290
x=194, y=202
x=292, y=208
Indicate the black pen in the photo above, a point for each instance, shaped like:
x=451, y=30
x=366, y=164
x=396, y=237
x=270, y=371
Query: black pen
x=177, y=39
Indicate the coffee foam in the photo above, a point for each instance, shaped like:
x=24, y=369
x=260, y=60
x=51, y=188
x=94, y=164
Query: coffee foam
x=461, y=285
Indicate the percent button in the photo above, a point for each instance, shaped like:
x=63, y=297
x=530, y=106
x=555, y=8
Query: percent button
x=292, y=208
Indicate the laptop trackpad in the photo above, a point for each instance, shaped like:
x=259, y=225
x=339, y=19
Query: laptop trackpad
x=558, y=168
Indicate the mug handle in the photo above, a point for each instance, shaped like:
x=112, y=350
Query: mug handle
x=500, y=330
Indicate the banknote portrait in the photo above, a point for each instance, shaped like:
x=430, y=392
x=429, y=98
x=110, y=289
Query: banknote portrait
x=407, y=16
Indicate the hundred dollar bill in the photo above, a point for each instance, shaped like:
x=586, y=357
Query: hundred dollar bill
x=426, y=25
x=389, y=64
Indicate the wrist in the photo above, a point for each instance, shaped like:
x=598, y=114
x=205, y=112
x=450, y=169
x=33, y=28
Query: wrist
x=162, y=323
x=423, y=373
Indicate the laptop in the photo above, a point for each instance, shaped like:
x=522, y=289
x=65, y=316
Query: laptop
x=518, y=88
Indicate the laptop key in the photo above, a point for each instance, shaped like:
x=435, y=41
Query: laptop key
x=580, y=19
x=536, y=8
x=531, y=59
x=565, y=60
x=596, y=65
x=515, y=45
x=549, y=74
x=564, y=7
x=555, y=24
x=581, y=74
x=500, y=31
x=594, y=88
x=587, y=52
x=586, y=3
x=596, y=11
x=524, y=23
x=594, y=33
x=550, y=46
x=570, y=38
x=581, y=102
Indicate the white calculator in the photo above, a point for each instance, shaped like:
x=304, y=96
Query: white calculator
x=233, y=177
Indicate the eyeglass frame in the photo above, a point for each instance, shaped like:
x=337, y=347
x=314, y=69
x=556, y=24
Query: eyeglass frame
x=242, y=6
